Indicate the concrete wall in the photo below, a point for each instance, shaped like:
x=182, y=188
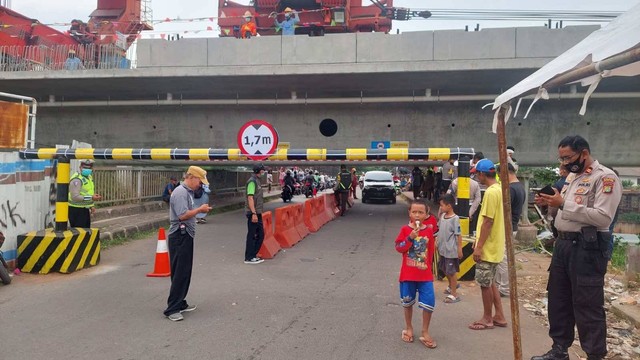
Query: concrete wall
x=505, y=43
x=25, y=191
x=422, y=124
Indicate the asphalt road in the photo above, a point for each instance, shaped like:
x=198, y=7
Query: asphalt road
x=332, y=296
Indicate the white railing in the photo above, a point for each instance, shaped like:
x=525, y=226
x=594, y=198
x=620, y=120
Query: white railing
x=46, y=58
x=126, y=185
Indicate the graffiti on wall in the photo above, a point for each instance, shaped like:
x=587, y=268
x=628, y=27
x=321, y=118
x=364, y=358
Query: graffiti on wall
x=11, y=215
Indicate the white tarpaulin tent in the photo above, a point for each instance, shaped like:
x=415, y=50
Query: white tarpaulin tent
x=611, y=51
x=602, y=54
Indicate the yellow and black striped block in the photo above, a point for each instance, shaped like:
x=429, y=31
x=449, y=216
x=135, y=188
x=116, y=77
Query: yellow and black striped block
x=41, y=252
x=467, y=265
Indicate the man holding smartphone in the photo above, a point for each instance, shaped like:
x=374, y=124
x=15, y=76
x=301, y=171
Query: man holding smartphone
x=182, y=217
x=585, y=207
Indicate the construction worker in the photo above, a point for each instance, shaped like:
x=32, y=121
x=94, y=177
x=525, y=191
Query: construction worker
x=288, y=26
x=82, y=195
x=343, y=187
x=72, y=62
x=249, y=27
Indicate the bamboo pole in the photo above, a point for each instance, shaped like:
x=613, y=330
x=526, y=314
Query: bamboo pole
x=508, y=232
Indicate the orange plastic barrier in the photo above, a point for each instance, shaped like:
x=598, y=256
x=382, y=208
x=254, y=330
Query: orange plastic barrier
x=311, y=215
x=286, y=233
x=329, y=205
x=270, y=246
x=298, y=210
x=321, y=213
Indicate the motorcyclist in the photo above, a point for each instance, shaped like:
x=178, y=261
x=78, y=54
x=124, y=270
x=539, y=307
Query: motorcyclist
x=309, y=182
x=289, y=186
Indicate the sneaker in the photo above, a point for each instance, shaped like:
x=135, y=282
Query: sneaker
x=189, y=308
x=203, y=220
x=176, y=317
x=254, y=261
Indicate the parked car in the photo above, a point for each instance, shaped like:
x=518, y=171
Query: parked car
x=378, y=185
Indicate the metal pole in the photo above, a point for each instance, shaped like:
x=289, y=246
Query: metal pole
x=508, y=232
x=62, y=196
x=464, y=192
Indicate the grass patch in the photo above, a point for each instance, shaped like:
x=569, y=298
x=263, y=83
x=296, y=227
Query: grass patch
x=119, y=240
x=619, y=255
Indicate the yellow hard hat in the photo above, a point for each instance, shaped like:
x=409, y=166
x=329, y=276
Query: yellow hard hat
x=288, y=10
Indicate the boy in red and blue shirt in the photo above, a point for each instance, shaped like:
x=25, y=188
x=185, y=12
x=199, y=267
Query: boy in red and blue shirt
x=416, y=243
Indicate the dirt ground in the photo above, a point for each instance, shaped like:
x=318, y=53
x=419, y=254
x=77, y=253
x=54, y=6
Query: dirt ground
x=622, y=337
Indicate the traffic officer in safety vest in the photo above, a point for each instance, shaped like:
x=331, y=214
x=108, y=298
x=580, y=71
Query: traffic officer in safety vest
x=585, y=207
x=82, y=195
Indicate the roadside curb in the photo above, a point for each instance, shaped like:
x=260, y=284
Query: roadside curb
x=131, y=230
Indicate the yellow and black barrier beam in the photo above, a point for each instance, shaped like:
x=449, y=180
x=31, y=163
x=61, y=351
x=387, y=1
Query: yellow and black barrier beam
x=209, y=154
x=41, y=252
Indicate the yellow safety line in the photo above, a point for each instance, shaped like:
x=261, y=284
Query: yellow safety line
x=51, y=261
x=87, y=250
x=199, y=154
x=464, y=187
x=161, y=154
x=84, y=153
x=40, y=249
x=27, y=241
x=94, y=258
x=356, y=154
x=122, y=154
x=439, y=154
x=397, y=154
x=316, y=154
x=67, y=262
x=281, y=154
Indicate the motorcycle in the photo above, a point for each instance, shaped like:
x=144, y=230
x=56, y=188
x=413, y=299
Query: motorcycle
x=4, y=267
x=287, y=193
x=307, y=190
x=297, y=189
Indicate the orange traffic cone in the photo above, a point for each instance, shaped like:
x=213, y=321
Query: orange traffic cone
x=162, y=267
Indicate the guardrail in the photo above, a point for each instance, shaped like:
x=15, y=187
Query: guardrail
x=57, y=57
x=127, y=185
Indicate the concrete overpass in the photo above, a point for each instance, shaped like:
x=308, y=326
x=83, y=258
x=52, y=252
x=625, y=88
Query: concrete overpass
x=424, y=87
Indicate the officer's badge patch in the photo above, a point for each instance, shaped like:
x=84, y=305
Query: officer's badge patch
x=581, y=190
x=578, y=200
x=607, y=184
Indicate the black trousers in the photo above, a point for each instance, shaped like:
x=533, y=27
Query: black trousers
x=181, y=258
x=79, y=217
x=416, y=192
x=576, y=296
x=255, y=236
x=344, y=199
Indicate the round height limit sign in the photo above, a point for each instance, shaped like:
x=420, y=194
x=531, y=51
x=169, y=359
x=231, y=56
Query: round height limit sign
x=257, y=139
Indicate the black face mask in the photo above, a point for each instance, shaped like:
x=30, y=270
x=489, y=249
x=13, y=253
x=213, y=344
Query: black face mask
x=576, y=166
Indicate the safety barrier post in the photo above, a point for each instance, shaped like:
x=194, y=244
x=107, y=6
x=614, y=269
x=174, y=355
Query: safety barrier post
x=62, y=194
x=286, y=233
x=270, y=246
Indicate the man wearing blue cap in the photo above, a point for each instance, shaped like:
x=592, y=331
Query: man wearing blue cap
x=489, y=247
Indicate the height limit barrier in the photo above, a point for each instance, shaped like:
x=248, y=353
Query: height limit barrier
x=427, y=155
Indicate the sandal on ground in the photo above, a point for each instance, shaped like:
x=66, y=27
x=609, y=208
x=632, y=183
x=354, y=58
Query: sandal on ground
x=430, y=343
x=450, y=299
x=480, y=326
x=499, y=324
x=448, y=289
x=405, y=337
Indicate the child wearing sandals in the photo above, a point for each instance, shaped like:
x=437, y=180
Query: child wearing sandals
x=449, y=242
x=416, y=244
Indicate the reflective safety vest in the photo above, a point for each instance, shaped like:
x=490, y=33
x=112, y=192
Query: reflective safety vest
x=345, y=181
x=86, y=191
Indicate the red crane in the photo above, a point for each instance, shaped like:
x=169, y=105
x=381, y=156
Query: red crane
x=25, y=44
x=317, y=17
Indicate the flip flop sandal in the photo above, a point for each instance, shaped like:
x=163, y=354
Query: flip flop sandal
x=448, y=289
x=503, y=325
x=480, y=326
x=450, y=299
x=430, y=344
x=406, y=338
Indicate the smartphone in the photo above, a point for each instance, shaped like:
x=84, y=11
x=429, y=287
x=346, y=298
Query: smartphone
x=547, y=190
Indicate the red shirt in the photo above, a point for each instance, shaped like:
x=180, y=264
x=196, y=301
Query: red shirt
x=417, y=254
x=433, y=222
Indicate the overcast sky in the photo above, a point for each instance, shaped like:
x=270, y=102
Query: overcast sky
x=63, y=11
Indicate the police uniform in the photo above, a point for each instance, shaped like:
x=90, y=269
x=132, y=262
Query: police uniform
x=579, y=263
x=344, y=187
x=81, y=191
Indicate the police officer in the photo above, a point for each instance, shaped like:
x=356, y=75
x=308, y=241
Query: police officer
x=82, y=195
x=343, y=187
x=585, y=207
